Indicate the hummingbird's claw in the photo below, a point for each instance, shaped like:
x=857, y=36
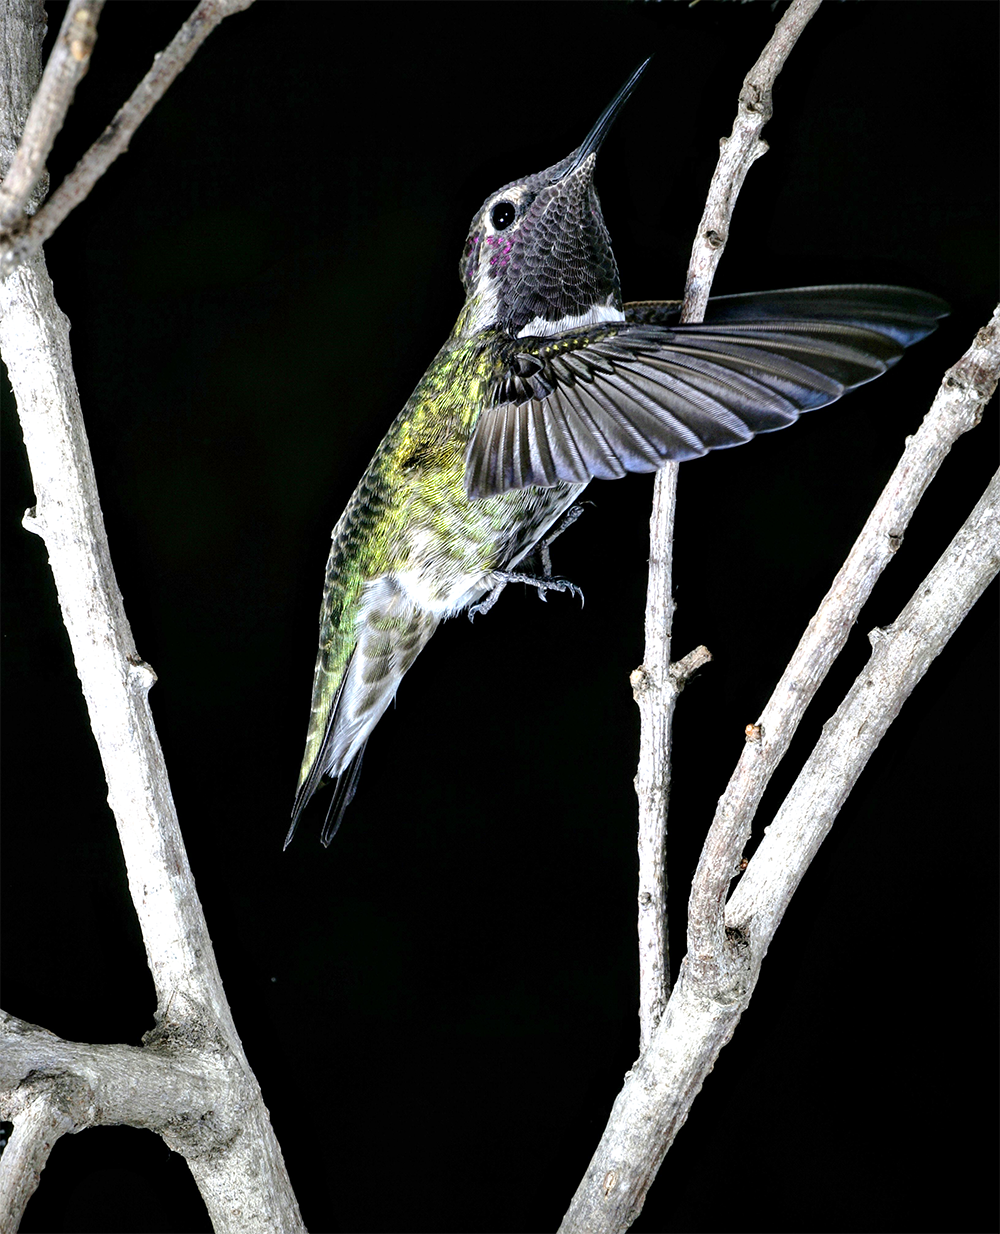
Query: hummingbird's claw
x=541, y=585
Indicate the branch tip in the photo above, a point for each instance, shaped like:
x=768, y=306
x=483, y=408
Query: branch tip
x=681, y=671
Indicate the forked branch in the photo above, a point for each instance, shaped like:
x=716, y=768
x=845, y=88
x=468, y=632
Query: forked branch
x=18, y=243
x=725, y=947
x=191, y=1080
x=655, y=684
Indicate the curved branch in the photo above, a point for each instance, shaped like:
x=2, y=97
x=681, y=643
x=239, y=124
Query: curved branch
x=738, y=152
x=708, y=1000
x=901, y=655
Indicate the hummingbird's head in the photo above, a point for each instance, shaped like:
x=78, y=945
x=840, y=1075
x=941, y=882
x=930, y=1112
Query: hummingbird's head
x=538, y=259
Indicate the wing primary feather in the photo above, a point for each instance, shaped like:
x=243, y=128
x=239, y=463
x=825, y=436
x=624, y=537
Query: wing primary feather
x=903, y=313
x=542, y=463
x=631, y=436
x=796, y=385
x=594, y=447
x=731, y=397
x=566, y=453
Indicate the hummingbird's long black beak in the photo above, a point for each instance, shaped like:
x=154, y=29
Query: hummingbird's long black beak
x=597, y=134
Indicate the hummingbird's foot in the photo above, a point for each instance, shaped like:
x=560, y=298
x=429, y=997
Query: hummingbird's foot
x=542, y=584
x=567, y=520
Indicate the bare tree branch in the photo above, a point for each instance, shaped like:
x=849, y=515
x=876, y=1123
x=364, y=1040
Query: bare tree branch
x=738, y=152
x=654, y=685
x=655, y=693
x=901, y=655
x=230, y=1158
x=191, y=1081
x=68, y=62
x=709, y=998
x=114, y=141
x=106, y=1085
x=957, y=407
x=724, y=952
x=39, y=1123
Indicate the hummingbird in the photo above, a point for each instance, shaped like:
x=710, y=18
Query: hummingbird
x=547, y=381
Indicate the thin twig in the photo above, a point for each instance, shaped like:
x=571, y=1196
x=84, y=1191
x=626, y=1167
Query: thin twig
x=655, y=687
x=114, y=141
x=655, y=693
x=68, y=62
x=737, y=153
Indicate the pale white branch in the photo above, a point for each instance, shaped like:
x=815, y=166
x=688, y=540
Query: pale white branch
x=901, y=655
x=737, y=153
x=194, y=1051
x=104, y=1085
x=654, y=687
x=655, y=693
x=957, y=407
x=68, y=62
x=712, y=993
x=39, y=1123
x=724, y=953
x=16, y=248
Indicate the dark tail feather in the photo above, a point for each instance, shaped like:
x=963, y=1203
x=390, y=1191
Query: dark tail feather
x=343, y=795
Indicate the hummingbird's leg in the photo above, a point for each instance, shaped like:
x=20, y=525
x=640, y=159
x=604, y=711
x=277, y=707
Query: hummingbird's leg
x=542, y=584
x=567, y=520
x=542, y=555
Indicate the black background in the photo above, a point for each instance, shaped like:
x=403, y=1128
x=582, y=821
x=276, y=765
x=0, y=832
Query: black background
x=440, y=1008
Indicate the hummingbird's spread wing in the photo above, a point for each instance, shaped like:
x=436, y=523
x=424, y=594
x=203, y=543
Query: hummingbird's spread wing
x=618, y=398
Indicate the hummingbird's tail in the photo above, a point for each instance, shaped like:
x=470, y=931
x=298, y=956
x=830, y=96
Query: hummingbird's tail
x=351, y=692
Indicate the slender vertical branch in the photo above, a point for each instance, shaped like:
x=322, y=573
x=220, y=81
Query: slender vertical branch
x=655, y=685
x=656, y=694
x=737, y=153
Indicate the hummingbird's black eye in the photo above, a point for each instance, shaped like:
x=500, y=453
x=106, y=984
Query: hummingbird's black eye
x=502, y=215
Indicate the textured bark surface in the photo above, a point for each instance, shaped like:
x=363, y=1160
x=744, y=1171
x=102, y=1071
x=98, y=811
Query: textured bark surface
x=190, y=1081
x=681, y=1037
x=655, y=684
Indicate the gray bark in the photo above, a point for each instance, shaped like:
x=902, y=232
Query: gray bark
x=190, y=1081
